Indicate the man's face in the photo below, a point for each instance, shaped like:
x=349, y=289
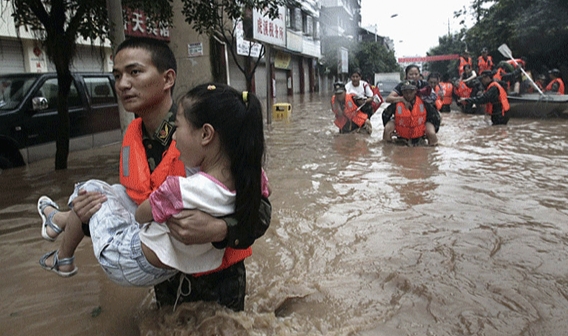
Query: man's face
x=409, y=94
x=140, y=86
x=340, y=96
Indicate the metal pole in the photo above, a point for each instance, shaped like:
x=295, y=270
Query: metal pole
x=226, y=58
x=268, y=84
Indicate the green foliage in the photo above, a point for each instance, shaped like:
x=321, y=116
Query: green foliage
x=537, y=30
x=370, y=57
x=207, y=16
x=374, y=57
x=84, y=18
x=447, y=45
x=218, y=18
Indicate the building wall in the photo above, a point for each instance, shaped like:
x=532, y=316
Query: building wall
x=192, y=69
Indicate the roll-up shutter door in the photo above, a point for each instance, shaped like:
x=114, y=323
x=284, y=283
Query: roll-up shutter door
x=11, y=56
x=87, y=59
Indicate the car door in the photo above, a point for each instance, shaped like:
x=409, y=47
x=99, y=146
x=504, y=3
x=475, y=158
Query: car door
x=43, y=125
x=103, y=104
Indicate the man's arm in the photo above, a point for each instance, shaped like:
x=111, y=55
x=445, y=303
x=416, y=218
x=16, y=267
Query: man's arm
x=197, y=227
x=489, y=96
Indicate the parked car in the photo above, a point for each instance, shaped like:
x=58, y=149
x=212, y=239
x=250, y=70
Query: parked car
x=29, y=118
x=386, y=86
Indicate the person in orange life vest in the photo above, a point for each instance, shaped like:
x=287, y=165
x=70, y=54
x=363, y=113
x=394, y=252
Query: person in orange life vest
x=540, y=79
x=484, y=61
x=465, y=87
x=495, y=98
x=448, y=90
x=229, y=178
x=514, y=74
x=556, y=84
x=361, y=88
x=412, y=73
x=145, y=72
x=437, y=93
x=464, y=59
x=348, y=115
x=412, y=119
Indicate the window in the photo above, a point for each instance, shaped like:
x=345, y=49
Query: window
x=49, y=90
x=99, y=90
x=308, y=25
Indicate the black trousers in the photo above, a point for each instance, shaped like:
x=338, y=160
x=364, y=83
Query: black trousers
x=226, y=287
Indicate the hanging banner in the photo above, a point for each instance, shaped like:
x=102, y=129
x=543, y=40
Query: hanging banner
x=428, y=58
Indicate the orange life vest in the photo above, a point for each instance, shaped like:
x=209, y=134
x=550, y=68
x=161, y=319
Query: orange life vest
x=448, y=90
x=410, y=124
x=463, y=91
x=134, y=171
x=463, y=62
x=502, y=98
x=484, y=64
x=350, y=113
x=438, y=102
x=139, y=183
x=560, y=85
x=519, y=61
x=376, y=104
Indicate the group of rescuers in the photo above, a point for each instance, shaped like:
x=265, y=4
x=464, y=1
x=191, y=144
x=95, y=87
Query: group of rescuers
x=413, y=114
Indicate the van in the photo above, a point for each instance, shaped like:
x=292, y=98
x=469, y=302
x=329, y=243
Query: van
x=29, y=118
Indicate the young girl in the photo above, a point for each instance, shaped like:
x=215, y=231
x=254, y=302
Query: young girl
x=218, y=130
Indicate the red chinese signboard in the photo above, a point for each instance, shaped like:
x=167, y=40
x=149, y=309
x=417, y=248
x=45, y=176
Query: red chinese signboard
x=137, y=25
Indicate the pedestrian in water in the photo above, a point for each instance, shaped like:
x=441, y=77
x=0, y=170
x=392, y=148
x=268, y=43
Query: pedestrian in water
x=495, y=98
x=145, y=72
x=421, y=120
x=348, y=115
x=361, y=89
x=220, y=132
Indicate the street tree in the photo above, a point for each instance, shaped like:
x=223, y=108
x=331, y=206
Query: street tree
x=58, y=24
x=219, y=20
x=536, y=30
x=374, y=57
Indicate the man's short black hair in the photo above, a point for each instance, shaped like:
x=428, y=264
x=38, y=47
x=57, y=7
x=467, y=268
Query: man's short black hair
x=162, y=56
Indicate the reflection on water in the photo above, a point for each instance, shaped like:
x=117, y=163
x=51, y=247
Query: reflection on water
x=467, y=238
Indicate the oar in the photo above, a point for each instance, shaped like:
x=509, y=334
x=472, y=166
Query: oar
x=505, y=51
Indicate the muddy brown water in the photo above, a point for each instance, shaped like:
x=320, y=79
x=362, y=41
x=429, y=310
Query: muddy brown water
x=367, y=238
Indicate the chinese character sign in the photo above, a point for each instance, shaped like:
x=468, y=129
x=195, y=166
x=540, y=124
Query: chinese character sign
x=271, y=31
x=137, y=24
x=244, y=47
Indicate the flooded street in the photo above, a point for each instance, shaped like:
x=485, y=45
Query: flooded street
x=367, y=238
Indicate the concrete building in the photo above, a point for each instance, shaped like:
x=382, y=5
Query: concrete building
x=292, y=63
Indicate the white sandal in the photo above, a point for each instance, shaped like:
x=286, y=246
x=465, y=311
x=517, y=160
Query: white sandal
x=58, y=262
x=46, y=221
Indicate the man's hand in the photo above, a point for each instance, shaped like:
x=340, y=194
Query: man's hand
x=196, y=227
x=87, y=203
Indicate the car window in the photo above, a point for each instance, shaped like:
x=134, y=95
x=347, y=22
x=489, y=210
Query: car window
x=49, y=90
x=13, y=90
x=99, y=90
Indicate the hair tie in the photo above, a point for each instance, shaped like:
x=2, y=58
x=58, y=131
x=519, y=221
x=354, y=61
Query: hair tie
x=211, y=87
x=245, y=97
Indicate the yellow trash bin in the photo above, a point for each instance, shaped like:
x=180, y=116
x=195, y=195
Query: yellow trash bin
x=281, y=111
